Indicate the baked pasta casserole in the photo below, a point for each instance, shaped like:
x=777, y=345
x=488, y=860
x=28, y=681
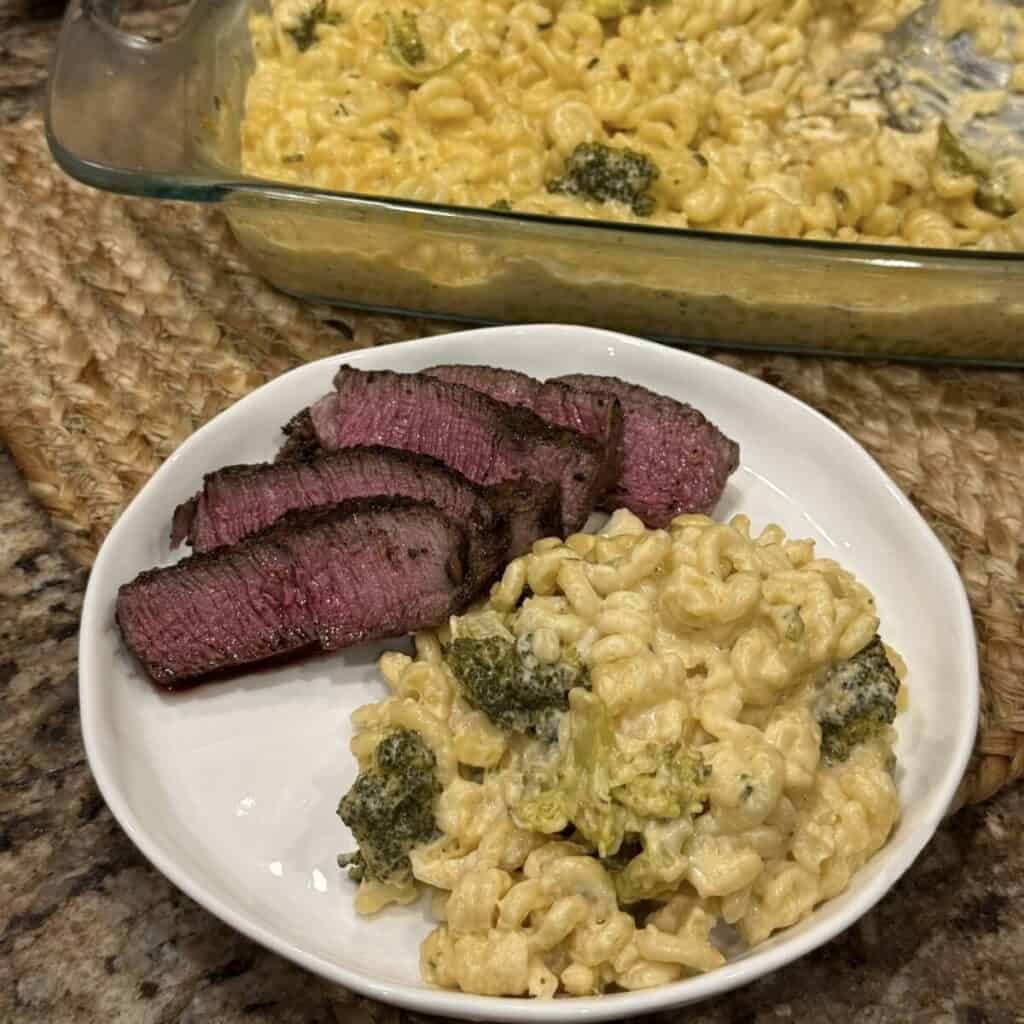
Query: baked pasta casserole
x=767, y=117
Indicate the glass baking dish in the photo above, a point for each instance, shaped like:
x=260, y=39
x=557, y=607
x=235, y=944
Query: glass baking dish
x=162, y=119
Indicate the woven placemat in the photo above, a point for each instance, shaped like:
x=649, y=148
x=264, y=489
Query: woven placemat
x=125, y=324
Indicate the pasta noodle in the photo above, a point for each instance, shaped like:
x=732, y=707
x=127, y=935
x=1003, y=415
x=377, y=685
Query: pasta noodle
x=687, y=785
x=762, y=117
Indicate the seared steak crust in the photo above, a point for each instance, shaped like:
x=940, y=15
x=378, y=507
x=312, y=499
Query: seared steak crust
x=300, y=439
x=674, y=459
x=595, y=415
x=317, y=580
x=532, y=510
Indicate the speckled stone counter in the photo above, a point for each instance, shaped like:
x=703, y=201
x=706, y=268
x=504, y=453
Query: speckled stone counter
x=90, y=933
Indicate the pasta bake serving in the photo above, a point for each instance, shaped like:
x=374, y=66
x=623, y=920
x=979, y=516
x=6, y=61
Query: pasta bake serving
x=643, y=746
x=767, y=117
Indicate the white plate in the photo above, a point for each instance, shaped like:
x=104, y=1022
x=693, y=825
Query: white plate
x=230, y=790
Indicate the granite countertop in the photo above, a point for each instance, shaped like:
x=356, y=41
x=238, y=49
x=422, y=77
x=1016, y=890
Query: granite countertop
x=90, y=932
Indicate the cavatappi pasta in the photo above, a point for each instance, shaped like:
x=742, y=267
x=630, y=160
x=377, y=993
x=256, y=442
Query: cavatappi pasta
x=686, y=787
x=768, y=117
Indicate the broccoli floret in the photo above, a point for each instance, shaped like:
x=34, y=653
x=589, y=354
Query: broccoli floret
x=599, y=172
x=390, y=808
x=857, y=699
x=601, y=791
x=404, y=40
x=677, y=787
x=405, y=45
x=952, y=152
x=506, y=680
x=581, y=794
x=991, y=194
x=303, y=32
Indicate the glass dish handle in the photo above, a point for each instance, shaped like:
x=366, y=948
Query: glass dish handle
x=130, y=114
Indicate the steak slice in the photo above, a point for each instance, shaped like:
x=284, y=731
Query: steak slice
x=598, y=416
x=300, y=439
x=485, y=440
x=532, y=510
x=318, y=580
x=240, y=500
x=674, y=459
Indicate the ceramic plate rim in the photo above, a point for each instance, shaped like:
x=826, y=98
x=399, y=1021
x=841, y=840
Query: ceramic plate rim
x=456, y=1004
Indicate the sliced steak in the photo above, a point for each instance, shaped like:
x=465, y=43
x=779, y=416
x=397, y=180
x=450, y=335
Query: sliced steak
x=239, y=500
x=674, y=459
x=318, y=580
x=532, y=510
x=485, y=440
x=598, y=416
x=300, y=439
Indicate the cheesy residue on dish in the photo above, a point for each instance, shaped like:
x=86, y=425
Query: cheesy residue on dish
x=641, y=738
x=769, y=117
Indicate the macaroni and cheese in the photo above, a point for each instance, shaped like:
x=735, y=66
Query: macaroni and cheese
x=640, y=738
x=768, y=117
